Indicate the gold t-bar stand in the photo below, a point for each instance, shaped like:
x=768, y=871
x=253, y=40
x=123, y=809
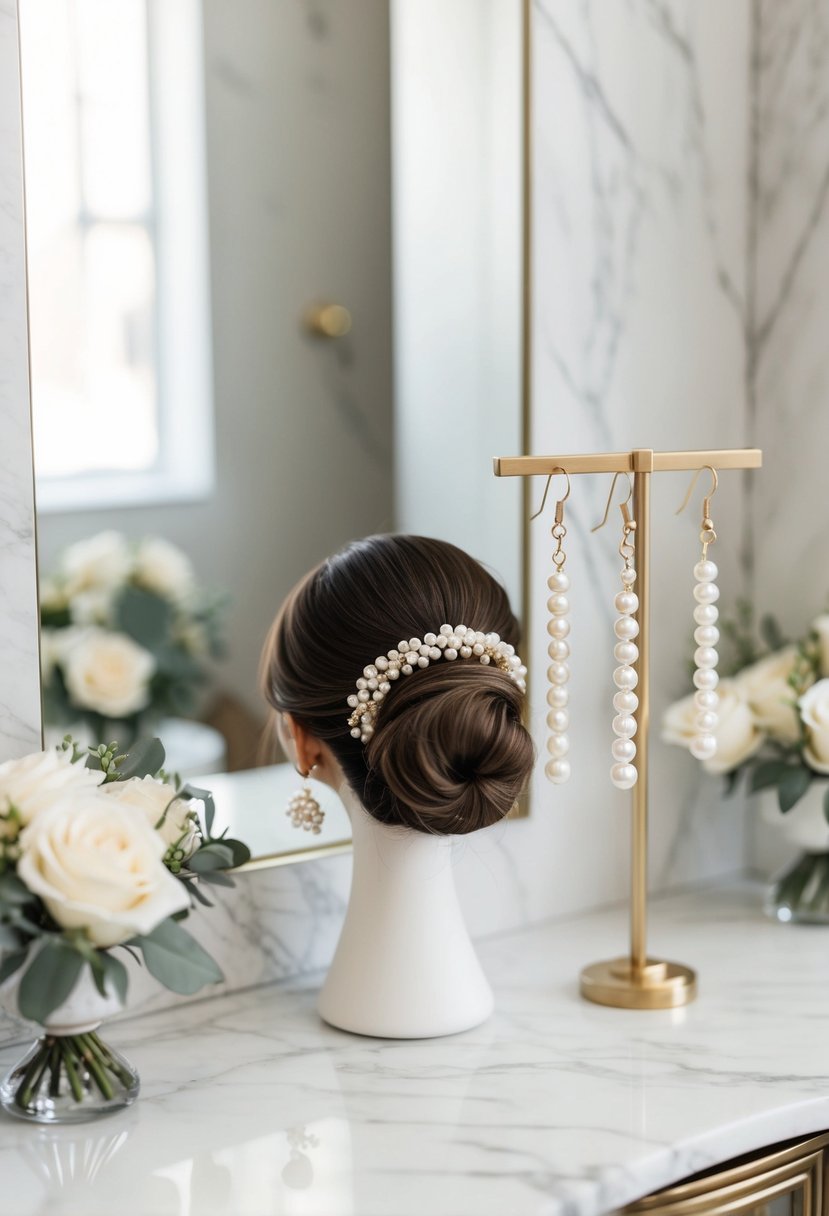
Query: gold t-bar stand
x=637, y=982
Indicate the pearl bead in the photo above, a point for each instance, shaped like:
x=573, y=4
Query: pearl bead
x=706, y=635
x=558, y=745
x=445, y=630
x=628, y=576
x=626, y=602
x=352, y=700
x=706, y=721
x=461, y=631
x=626, y=652
x=415, y=643
x=362, y=683
x=706, y=593
x=373, y=684
x=429, y=639
x=558, y=604
x=364, y=695
x=454, y=641
x=558, y=673
x=623, y=750
x=706, y=614
x=465, y=652
x=558, y=720
x=706, y=699
x=478, y=648
x=557, y=696
x=625, y=702
x=385, y=686
x=558, y=581
x=626, y=628
x=558, y=650
x=381, y=662
x=703, y=747
x=706, y=678
x=492, y=639
x=706, y=656
x=393, y=673
x=422, y=661
x=623, y=776
x=558, y=627
x=407, y=669
x=705, y=571
x=435, y=652
x=625, y=677
x=355, y=732
x=624, y=725
x=558, y=771
x=450, y=653
x=484, y=660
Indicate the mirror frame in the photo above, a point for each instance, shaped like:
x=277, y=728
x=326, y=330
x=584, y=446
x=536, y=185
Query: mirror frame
x=21, y=717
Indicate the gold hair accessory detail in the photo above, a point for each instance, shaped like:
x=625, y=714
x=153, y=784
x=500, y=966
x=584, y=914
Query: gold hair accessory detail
x=452, y=642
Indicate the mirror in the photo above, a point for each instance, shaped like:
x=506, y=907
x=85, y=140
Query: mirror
x=226, y=206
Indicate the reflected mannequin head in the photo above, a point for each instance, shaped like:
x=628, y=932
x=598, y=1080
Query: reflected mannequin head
x=449, y=753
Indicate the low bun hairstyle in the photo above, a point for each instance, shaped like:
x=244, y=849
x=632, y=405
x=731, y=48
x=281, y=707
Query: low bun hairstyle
x=449, y=753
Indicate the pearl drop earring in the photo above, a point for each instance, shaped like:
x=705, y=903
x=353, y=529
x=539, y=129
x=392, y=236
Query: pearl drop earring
x=303, y=809
x=623, y=772
x=703, y=743
x=557, y=767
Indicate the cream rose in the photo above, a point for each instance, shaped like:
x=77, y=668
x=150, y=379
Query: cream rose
x=814, y=710
x=738, y=736
x=821, y=628
x=92, y=607
x=98, y=866
x=33, y=783
x=103, y=560
x=108, y=672
x=177, y=827
x=764, y=685
x=164, y=569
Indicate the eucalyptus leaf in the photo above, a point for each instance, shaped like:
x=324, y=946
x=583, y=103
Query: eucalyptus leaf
x=240, y=851
x=214, y=856
x=792, y=788
x=771, y=633
x=9, y=937
x=176, y=959
x=770, y=772
x=144, y=617
x=116, y=977
x=13, y=891
x=11, y=963
x=144, y=759
x=49, y=979
x=217, y=878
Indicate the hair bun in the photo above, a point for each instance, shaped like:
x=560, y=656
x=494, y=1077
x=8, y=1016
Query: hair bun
x=451, y=749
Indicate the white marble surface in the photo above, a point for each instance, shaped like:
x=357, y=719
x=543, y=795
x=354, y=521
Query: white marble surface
x=19, y=664
x=251, y=1106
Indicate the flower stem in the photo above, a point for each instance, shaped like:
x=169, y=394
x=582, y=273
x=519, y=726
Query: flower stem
x=33, y=1076
x=71, y=1070
x=97, y=1073
x=105, y=1059
x=54, y=1066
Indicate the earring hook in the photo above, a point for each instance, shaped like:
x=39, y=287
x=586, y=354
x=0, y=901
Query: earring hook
x=622, y=505
x=547, y=488
x=709, y=495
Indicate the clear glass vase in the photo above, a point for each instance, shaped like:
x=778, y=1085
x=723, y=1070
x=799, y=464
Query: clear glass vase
x=69, y=1078
x=800, y=894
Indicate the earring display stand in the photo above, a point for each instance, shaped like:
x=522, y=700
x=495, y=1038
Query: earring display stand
x=636, y=981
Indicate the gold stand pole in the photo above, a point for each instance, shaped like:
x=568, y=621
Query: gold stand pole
x=636, y=981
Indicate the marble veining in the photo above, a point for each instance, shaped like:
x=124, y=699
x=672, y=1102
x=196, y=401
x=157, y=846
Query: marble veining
x=554, y=1107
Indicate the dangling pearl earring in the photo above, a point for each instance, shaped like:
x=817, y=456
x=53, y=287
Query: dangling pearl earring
x=557, y=767
x=703, y=744
x=303, y=809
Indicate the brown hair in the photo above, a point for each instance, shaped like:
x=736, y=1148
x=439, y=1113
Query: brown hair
x=449, y=752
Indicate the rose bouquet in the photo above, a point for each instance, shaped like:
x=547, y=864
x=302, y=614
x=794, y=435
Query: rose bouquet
x=773, y=729
x=97, y=854
x=126, y=632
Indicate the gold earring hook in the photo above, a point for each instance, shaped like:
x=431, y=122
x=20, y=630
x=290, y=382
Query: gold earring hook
x=622, y=505
x=561, y=501
x=706, y=504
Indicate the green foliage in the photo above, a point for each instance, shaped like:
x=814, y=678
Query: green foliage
x=793, y=786
x=176, y=959
x=145, y=617
x=49, y=978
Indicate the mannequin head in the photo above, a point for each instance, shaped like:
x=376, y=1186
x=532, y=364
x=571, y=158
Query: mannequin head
x=449, y=753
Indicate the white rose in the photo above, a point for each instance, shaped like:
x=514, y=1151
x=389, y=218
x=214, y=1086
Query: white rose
x=737, y=733
x=98, y=866
x=814, y=710
x=93, y=607
x=821, y=628
x=101, y=561
x=178, y=826
x=34, y=783
x=109, y=673
x=765, y=686
x=164, y=569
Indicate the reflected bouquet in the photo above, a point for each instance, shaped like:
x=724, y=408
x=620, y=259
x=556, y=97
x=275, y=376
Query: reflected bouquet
x=99, y=852
x=126, y=634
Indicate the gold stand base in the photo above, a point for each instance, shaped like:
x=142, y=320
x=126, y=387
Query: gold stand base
x=658, y=985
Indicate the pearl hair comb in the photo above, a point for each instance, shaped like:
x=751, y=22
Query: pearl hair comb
x=452, y=642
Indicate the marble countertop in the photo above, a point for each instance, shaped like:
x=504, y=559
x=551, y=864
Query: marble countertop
x=251, y=1106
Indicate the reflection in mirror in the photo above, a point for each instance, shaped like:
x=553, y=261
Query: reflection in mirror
x=209, y=228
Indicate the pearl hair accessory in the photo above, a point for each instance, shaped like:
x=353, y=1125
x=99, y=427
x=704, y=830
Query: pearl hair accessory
x=451, y=642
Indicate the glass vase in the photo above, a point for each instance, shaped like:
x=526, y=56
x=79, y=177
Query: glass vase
x=69, y=1078
x=800, y=894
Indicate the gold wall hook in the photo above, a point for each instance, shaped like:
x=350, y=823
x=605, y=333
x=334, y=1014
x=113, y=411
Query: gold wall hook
x=561, y=501
x=327, y=320
x=623, y=506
